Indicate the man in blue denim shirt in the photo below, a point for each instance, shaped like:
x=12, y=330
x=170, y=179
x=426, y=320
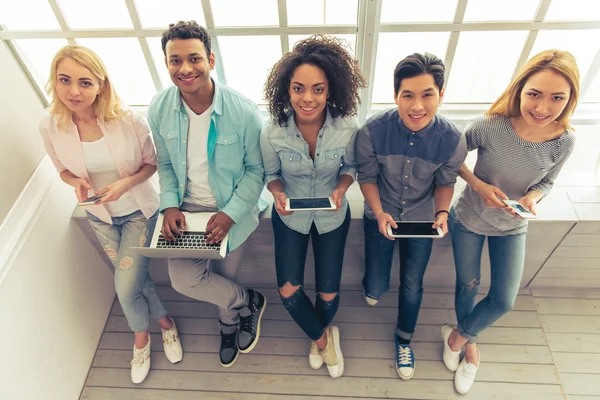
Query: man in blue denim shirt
x=207, y=144
x=408, y=160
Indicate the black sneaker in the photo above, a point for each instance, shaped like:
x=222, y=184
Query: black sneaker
x=250, y=317
x=228, y=353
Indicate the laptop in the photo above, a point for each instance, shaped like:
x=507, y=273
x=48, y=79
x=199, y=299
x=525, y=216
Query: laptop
x=192, y=244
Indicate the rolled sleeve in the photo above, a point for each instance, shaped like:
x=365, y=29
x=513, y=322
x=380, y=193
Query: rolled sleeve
x=367, y=166
x=271, y=160
x=349, y=158
x=447, y=174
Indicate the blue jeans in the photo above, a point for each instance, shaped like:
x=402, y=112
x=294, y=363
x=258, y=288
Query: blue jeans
x=414, y=256
x=507, y=258
x=133, y=284
x=290, y=258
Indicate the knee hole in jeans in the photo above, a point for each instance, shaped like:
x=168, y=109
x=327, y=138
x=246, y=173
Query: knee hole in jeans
x=472, y=284
x=126, y=262
x=288, y=290
x=328, y=297
x=111, y=253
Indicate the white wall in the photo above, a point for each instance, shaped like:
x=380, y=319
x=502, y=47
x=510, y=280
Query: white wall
x=21, y=147
x=55, y=289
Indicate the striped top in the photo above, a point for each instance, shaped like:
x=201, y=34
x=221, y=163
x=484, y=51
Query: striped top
x=513, y=165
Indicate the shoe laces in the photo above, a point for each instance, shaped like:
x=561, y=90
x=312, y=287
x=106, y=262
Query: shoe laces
x=139, y=357
x=228, y=340
x=169, y=336
x=404, y=355
x=247, y=323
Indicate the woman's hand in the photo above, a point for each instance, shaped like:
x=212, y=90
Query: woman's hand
x=491, y=195
x=337, y=196
x=81, y=188
x=280, y=200
x=114, y=191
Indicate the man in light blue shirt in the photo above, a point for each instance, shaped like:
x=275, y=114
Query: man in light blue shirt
x=209, y=160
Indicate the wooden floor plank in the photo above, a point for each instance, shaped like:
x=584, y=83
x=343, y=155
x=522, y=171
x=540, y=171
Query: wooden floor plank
x=580, y=384
x=577, y=362
x=565, y=293
x=321, y=385
x=570, y=323
x=351, y=348
x=558, y=306
x=375, y=315
x=574, y=342
x=273, y=328
x=354, y=367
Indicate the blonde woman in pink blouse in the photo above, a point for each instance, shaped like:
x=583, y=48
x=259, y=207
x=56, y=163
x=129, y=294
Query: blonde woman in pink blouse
x=99, y=148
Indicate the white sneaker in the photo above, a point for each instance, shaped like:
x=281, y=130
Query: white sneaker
x=451, y=358
x=332, y=354
x=314, y=357
x=465, y=375
x=140, y=365
x=371, y=301
x=172, y=344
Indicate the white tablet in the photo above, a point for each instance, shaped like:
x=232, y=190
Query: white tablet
x=519, y=209
x=415, y=229
x=310, y=204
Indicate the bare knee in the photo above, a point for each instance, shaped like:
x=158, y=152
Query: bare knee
x=126, y=262
x=328, y=296
x=288, y=290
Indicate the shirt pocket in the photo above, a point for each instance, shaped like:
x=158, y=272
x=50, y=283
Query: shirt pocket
x=424, y=170
x=228, y=154
x=333, y=158
x=291, y=162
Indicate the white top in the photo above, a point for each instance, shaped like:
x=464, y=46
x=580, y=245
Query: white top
x=197, y=190
x=102, y=172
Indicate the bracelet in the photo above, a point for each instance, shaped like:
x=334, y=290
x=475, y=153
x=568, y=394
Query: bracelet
x=442, y=211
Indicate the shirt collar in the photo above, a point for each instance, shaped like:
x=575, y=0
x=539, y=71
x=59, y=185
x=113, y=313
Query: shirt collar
x=217, y=104
x=404, y=130
x=291, y=128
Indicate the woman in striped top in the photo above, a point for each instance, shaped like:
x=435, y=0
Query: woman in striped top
x=522, y=143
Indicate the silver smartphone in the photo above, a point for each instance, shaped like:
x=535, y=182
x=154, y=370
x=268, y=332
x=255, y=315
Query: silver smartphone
x=519, y=209
x=91, y=200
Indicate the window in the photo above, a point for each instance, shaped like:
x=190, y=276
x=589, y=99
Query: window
x=109, y=14
x=16, y=15
x=153, y=13
x=247, y=12
x=505, y=10
x=418, y=11
x=322, y=12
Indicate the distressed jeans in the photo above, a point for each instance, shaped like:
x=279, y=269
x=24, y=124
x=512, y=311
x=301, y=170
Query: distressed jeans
x=133, y=284
x=507, y=259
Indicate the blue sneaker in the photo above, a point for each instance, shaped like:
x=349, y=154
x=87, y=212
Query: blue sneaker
x=405, y=360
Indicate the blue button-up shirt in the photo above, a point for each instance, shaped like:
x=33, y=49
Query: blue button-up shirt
x=408, y=165
x=286, y=157
x=235, y=169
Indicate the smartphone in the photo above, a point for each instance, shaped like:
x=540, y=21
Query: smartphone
x=519, y=209
x=415, y=229
x=91, y=200
x=309, y=204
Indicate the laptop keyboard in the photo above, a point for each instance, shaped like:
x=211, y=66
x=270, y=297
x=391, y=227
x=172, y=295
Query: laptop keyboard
x=189, y=240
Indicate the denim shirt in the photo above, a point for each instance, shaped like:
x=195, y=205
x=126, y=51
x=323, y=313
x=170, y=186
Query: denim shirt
x=286, y=157
x=235, y=169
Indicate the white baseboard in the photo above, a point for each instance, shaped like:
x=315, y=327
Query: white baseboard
x=17, y=225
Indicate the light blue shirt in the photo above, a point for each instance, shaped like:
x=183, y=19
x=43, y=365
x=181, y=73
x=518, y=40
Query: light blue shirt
x=235, y=169
x=286, y=157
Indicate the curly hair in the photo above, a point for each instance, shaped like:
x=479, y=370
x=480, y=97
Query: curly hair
x=328, y=53
x=185, y=30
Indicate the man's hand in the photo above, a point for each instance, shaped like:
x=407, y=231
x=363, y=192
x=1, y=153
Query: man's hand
x=114, y=191
x=218, y=226
x=280, y=200
x=491, y=195
x=383, y=220
x=441, y=221
x=173, y=223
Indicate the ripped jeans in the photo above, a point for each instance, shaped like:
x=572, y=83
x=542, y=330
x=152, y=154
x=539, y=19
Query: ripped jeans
x=290, y=258
x=507, y=258
x=133, y=284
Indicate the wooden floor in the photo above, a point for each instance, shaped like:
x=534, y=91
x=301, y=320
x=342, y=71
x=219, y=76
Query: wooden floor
x=547, y=348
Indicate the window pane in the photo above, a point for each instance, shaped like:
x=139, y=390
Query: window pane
x=155, y=14
x=108, y=14
x=418, y=11
x=245, y=12
x=38, y=55
x=593, y=93
x=393, y=47
x=322, y=12
x=565, y=10
x=350, y=41
x=247, y=61
x=126, y=66
x=582, y=44
x=16, y=15
x=481, y=72
x=506, y=10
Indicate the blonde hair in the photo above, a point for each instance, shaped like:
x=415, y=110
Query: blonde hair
x=561, y=62
x=107, y=106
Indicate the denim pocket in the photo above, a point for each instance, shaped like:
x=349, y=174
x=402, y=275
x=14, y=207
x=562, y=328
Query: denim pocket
x=333, y=158
x=291, y=162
